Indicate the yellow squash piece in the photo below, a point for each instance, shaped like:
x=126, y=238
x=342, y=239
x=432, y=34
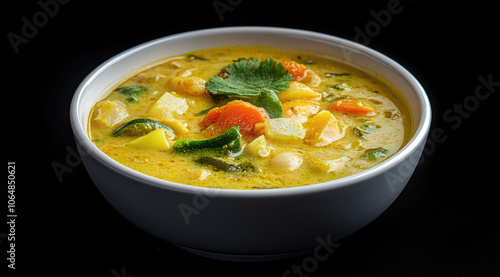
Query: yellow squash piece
x=155, y=140
x=323, y=129
x=298, y=90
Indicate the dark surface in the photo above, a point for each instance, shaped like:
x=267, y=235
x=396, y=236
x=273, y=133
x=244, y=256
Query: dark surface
x=445, y=222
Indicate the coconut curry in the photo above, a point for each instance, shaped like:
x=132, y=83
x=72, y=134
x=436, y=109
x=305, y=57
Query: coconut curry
x=250, y=118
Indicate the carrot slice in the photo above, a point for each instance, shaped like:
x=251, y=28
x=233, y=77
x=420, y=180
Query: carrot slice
x=236, y=113
x=297, y=70
x=353, y=107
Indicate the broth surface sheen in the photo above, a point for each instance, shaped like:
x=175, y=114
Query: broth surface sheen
x=337, y=121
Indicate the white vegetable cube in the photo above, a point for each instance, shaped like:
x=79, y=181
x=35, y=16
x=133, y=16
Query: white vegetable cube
x=298, y=90
x=168, y=105
x=258, y=147
x=284, y=129
x=155, y=140
x=110, y=113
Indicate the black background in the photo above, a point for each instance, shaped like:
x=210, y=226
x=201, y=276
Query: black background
x=445, y=222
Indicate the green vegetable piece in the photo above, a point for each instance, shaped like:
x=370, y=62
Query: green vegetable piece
x=228, y=143
x=376, y=154
x=218, y=164
x=133, y=92
x=140, y=127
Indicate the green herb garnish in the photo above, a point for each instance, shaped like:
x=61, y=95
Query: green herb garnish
x=376, y=154
x=258, y=80
x=133, y=92
x=363, y=130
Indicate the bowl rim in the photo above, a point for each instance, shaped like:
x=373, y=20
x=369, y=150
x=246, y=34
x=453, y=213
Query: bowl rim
x=418, y=137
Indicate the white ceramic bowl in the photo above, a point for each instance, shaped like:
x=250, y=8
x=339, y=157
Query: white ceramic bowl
x=258, y=224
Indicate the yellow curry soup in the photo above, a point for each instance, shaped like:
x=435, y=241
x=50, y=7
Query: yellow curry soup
x=250, y=118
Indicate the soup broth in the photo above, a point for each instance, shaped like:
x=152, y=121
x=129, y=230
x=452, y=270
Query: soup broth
x=250, y=118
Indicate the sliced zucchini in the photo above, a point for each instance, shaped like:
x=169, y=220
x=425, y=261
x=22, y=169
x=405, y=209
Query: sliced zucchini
x=140, y=127
x=228, y=143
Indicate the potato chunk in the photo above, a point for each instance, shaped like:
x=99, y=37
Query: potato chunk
x=168, y=105
x=284, y=129
x=258, y=147
x=190, y=85
x=111, y=113
x=155, y=140
x=323, y=129
x=298, y=90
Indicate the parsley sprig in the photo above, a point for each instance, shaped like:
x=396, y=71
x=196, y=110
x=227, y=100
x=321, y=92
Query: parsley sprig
x=258, y=80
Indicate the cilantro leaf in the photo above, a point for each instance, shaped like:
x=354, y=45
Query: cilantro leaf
x=251, y=78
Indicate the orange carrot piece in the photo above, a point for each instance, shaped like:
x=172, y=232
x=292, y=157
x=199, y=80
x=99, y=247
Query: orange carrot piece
x=235, y=113
x=353, y=107
x=297, y=70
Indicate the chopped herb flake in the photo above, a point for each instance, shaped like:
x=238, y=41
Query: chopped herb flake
x=133, y=92
x=376, y=154
x=340, y=86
